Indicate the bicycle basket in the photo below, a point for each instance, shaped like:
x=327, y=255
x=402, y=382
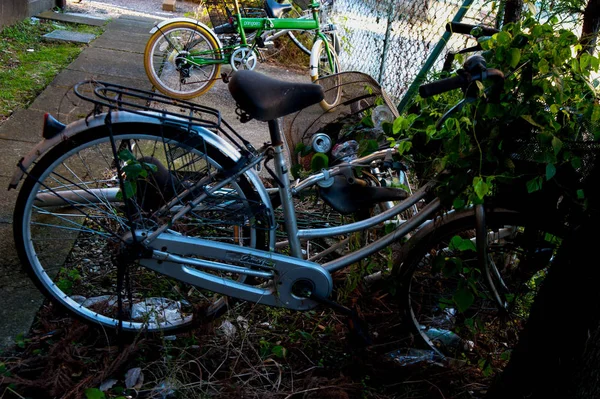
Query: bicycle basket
x=221, y=12
x=349, y=125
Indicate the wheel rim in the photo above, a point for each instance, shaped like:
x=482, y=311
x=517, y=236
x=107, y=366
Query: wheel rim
x=331, y=87
x=73, y=244
x=482, y=332
x=172, y=72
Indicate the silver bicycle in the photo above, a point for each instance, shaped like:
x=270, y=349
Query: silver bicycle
x=147, y=220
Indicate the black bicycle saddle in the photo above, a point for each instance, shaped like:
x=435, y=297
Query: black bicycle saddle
x=265, y=98
x=276, y=10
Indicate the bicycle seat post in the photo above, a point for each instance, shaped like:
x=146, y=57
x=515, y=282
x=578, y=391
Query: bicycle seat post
x=285, y=193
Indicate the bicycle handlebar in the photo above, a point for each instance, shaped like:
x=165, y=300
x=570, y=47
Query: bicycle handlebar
x=457, y=82
x=467, y=29
x=441, y=86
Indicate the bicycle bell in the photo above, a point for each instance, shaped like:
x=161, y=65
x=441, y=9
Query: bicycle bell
x=321, y=142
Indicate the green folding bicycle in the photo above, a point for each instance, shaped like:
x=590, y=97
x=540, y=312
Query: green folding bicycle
x=183, y=57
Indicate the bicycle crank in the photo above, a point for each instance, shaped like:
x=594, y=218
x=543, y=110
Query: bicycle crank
x=243, y=58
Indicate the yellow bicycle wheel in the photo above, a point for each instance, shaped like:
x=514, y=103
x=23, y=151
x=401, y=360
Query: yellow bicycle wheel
x=167, y=60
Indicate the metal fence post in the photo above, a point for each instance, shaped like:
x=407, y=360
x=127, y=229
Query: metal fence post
x=412, y=90
x=386, y=40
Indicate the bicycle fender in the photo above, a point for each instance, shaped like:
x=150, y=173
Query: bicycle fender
x=117, y=117
x=191, y=21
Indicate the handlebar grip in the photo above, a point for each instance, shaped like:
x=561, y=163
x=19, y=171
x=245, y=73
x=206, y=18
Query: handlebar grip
x=441, y=86
x=465, y=29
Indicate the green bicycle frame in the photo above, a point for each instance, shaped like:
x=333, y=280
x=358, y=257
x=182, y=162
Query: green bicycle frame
x=260, y=25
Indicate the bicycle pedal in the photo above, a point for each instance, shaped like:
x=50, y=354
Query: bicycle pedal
x=268, y=44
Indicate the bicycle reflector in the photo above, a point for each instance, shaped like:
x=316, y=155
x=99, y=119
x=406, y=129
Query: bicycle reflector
x=52, y=127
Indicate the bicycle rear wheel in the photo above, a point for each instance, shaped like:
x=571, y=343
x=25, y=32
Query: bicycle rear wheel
x=182, y=60
x=452, y=309
x=71, y=224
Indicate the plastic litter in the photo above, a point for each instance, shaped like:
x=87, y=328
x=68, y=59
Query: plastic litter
x=228, y=329
x=104, y=300
x=381, y=114
x=134, y=378
x=157, y=310
x=412, y=356
x=444, y=337
x=346, y=151
x=164, y=390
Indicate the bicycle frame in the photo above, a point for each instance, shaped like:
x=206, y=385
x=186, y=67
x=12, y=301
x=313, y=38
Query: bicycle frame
x=261, y=25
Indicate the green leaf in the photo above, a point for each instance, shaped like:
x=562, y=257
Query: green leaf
x=580, y=194
x=319, y=161
x=529, y=119
x=576, y=162
x=279, y=351
x=367, y=121
x=463, y=298
x=462, y=244
x=295, y=169
x=514, y=57
x=130, y=189
x=534, y=184
x=596, y=113
x=556, y=144
x=585, y=60
x=503, y=38
x=485, y=366
x=150, y=166
x=126, y=155
x=397, y=125
x=404, y=146
x=575, y=65
x=438, y=263
x=550, y=171
x=299, y=148
x=480, y=187
x=458, y=203
x=133, y=170
x=94, y=393
x=543, y=66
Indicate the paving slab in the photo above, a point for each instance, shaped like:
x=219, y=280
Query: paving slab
x=20, y=300
x=72, y=18
x=133, y=25
x=65, y=106
x=131, y=42
x=61, y=35
x=24, y=125
x=7, y=201
x=65, y=80
x=12, y=152
x=110, y=62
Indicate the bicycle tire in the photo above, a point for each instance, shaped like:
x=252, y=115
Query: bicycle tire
x=320, y=68
x=481, y=332
x=306, y=38
x=70, y=248
x=168, y=70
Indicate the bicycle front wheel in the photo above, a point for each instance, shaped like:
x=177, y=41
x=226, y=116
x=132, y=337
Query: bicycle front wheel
x=321, y=67
x=182, y=60
x=72, y=223
x=452, y=309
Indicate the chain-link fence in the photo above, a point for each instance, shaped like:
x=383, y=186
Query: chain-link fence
x=391, y=39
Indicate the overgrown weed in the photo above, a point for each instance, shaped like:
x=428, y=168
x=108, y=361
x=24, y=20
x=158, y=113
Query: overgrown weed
x=28, y=64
